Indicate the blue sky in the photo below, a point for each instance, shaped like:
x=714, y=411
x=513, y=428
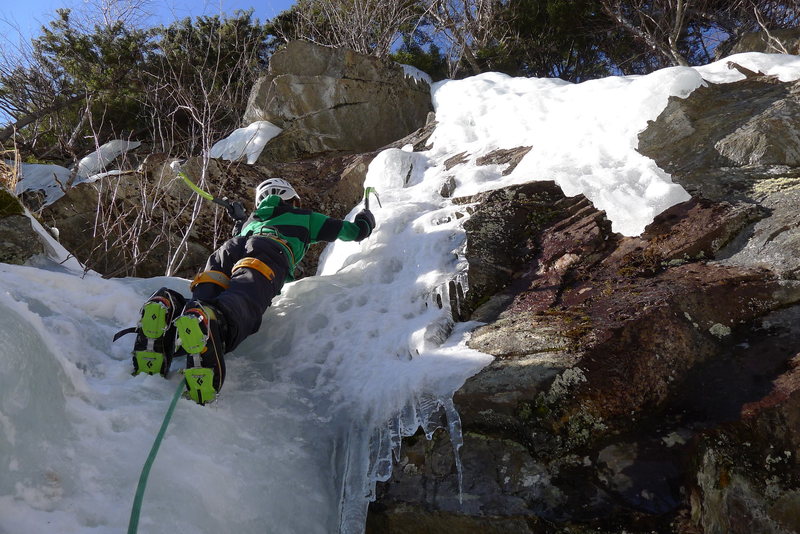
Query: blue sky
x=30, y=15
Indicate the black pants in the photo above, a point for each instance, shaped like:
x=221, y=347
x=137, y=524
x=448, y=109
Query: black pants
x=250, y=292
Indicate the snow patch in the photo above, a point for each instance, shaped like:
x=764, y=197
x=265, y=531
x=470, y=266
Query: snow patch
x=97, y=161
x=582, y=136
x=54, y=180
x=247, y=142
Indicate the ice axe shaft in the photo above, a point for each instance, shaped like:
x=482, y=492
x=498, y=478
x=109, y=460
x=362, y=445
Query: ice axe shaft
x=176, y=166
x=367, y=192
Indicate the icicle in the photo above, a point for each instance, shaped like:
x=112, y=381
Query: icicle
x=409, y=420
x=457, y=440
x=368, y=465
x=381, y=455
x=429, y=406
x=357, y=490
x=396, y=436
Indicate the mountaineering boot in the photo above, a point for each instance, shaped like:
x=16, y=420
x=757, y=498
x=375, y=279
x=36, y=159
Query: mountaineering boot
x=199, y=332
x=155, y=337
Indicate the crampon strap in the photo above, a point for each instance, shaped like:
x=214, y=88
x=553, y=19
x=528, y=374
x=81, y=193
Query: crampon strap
x=131, y=330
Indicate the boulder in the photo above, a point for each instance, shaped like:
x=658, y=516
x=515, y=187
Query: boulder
x=739, y=143
x=331, y=100
x=747, y=125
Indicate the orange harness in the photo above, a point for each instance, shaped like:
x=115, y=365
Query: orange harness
x=282, y=242
x=256, y=265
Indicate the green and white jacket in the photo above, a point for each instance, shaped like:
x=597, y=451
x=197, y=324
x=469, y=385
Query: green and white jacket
x=297, y=229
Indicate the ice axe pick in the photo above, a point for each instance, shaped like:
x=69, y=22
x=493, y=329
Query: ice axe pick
x=367, y=192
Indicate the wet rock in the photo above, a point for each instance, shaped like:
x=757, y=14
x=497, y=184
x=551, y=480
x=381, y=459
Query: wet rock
x=499, y=234
x=595, y=301
x=612, y=355
x=491, y=500
x=748, y=477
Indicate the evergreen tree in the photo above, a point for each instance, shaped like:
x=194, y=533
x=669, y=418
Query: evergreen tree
x=74, y=80
x=199, y=77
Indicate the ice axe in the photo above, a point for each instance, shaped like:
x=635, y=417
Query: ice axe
x=367, y=192
x=234, y=209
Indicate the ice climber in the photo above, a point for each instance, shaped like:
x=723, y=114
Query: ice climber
x=238, y=284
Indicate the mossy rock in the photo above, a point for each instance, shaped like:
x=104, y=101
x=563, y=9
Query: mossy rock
x=9, y=204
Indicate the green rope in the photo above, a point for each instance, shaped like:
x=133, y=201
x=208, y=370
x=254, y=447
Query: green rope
x=133, y=524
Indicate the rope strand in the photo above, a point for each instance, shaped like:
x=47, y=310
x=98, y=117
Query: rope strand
x=133, y=524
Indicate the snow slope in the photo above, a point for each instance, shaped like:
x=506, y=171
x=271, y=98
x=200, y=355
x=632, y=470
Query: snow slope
x=345, y=362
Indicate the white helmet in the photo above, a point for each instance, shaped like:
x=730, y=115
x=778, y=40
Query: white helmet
x=275, y=186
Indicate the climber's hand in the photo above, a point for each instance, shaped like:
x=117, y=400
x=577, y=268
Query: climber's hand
x=236, y=211
x=366, y=223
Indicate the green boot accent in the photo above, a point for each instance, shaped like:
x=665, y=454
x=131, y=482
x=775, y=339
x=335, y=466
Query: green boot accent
x=198, y=334
x=154, y=319
x=199, y=384
x=148, y=362
x=193, y=340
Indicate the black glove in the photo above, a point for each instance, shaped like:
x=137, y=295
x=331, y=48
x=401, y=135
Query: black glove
x=366, y=222
x=236, y=211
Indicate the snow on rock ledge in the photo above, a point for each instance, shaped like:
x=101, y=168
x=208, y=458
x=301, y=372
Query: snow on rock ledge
x=247, y=142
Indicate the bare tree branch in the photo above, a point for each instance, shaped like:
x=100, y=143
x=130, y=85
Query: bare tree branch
x=32, y=117
x=365, y=26
x=773, y=42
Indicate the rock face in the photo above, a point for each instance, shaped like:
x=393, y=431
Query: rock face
x=131, y=224
x=334, y=100
x=18, y=240
x=641, y=384
x=776, y=41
